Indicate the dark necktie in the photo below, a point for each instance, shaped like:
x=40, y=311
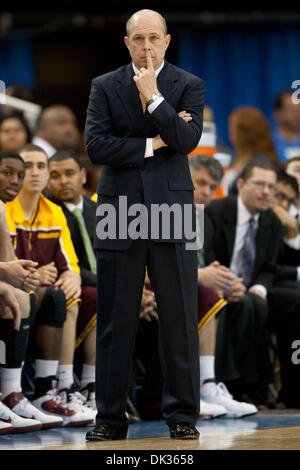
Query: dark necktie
x=86, y=240
x=248, y=253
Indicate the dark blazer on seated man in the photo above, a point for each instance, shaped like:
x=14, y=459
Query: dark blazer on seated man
x=223, y=215
x=247, y=320
x=283, y=302
x=89, y=215
x=287, y=266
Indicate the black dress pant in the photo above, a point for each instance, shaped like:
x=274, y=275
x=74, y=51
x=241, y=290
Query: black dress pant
x=172, y=272
x=242, y=346
x=285, y=324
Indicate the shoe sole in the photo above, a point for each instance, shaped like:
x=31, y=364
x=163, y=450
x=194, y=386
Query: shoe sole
x=173, y=436
x=95, y=438
x=78, y=423
x=6, y=430
x=56, y=424
x=212, y=416
x=24, y=429
x=233, y=416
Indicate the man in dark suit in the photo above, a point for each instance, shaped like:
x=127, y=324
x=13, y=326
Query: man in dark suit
x=144, y=158
x=246, y=239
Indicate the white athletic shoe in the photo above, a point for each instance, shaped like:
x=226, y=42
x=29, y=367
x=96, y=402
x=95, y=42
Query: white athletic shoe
x=210, y=410
x=89, y=393
x=218, y=394
x=76, y=402
x=5, y=427
x=22, y=407
x=51, y=404
x=19, y=424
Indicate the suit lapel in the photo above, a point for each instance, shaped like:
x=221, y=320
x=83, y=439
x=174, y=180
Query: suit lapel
x=230, y=226
x=167, y=81
x=129, y=95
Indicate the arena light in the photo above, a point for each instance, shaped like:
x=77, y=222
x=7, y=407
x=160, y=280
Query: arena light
x=31, y=110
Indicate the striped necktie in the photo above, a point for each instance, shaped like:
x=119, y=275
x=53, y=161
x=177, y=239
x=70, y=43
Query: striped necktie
x=144, y=102
x=248, y=252
x=86, y=240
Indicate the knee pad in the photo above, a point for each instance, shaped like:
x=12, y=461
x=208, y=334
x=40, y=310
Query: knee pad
x=32, y=312
x=52, y=311
x=13, y=342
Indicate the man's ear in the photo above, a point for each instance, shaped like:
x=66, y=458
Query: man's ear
x=240, y=183
x=168, y=39
x=83, y=175
x=126, y=40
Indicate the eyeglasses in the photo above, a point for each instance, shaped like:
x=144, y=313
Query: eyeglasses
x=283, y=197
x=261, y=185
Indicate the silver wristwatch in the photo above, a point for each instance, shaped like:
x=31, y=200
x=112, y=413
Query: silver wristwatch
x=154, y=98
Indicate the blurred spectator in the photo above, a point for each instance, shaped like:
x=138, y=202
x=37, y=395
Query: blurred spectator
x=208, y=116
x=93, y=173
x=57, y=129
x=292, y=167
x=250, y=135
x=14, y=132
x=286, y=134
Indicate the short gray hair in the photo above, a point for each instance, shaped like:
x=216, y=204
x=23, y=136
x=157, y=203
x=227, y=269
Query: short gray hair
x=210, y=164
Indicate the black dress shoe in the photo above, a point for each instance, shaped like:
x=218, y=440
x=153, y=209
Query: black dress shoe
x=106, y=432
x=184, y=431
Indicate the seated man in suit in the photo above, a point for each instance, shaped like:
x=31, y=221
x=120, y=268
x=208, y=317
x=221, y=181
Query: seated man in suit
x=285, y=319
x=246, y=240
x=218, y=290
x=288, y=263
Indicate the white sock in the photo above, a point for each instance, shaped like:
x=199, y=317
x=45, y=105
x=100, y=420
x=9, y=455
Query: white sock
x=207, y=368
x=65, y=376
x=10, y=380
x=88, y=375
x=45, y=368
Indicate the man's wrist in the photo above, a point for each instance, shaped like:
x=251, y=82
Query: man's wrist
x=154, y=97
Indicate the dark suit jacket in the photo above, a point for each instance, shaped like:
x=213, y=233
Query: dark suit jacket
x=116, y=132
x=223, y=215
x=287, y=262
x=89, y=213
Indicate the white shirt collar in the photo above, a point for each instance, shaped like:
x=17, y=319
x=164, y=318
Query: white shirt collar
x=70, y=206
x=293, y=210
x=46, y=146
x=243, y=215
x=135, y=69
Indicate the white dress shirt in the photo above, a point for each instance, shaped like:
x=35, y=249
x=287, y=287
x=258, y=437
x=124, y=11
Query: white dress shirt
x=243, y=217
x=71, y=206
x=294, y=242
x=151, y=108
